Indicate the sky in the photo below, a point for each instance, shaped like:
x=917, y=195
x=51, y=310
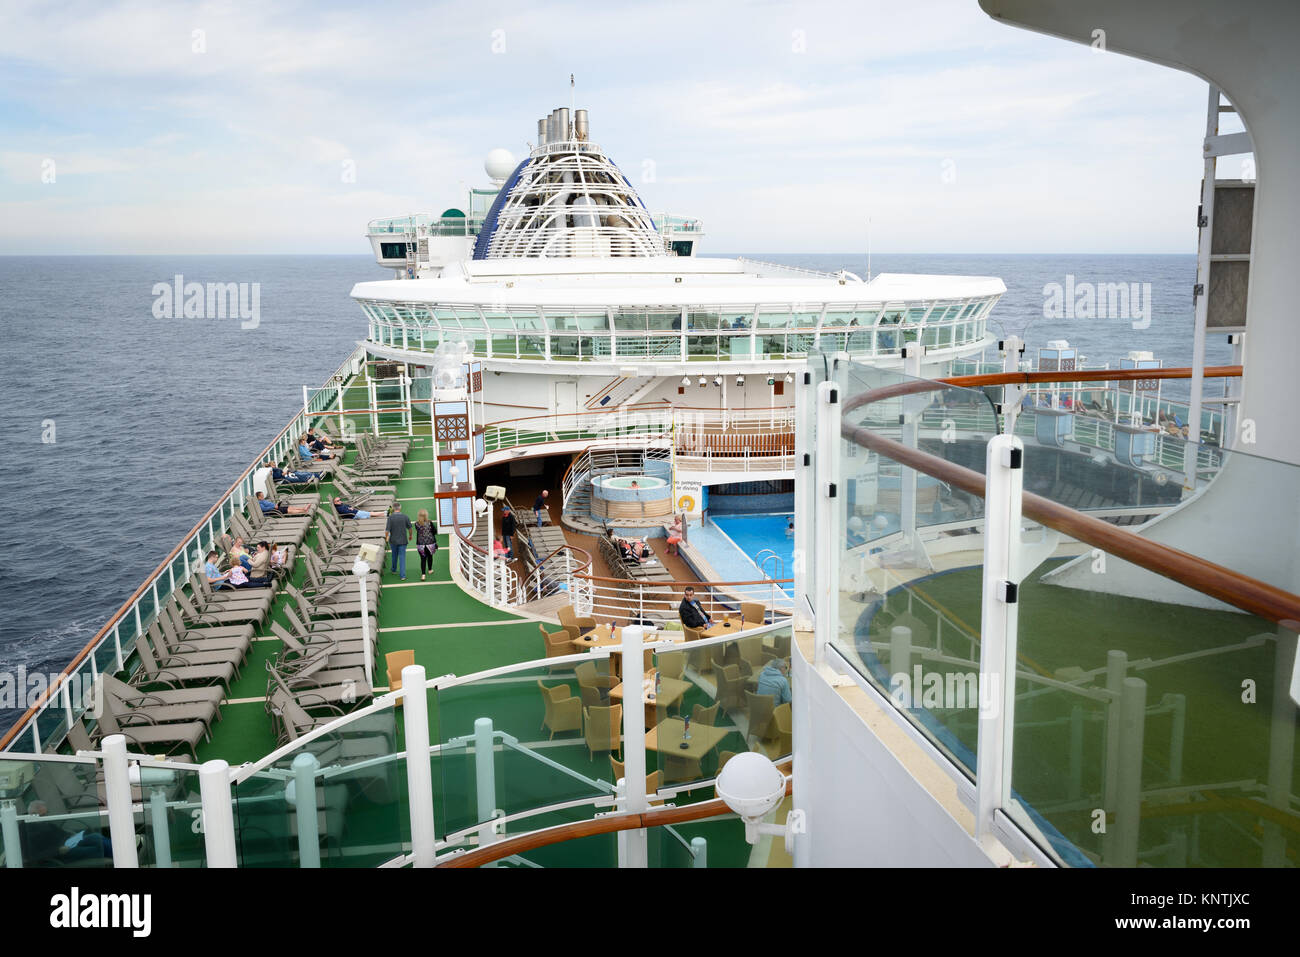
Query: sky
x=278, y=127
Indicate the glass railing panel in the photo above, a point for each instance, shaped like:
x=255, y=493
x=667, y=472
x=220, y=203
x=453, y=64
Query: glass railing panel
x=361, y=793
x=170, y=816
x=51, y=814
x=906, y=536
x=266, y=832
x=707, y=700
x=1149, y=733
x=547, y=745
x=596, y=850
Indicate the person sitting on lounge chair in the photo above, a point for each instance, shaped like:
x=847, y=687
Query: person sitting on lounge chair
x=282, y=508
x=347, y=511
x=279, y=555
x=216, y=578
x=238, y=554
x=280, y=476
x=306, y=453
x=262, y=566
x=319, y=441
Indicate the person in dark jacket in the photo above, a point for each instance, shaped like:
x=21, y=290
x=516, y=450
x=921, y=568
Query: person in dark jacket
x=397, y=535
x=691, y=613
x=508, y=526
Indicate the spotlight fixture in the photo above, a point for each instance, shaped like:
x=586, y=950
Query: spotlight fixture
x=788, y=378
x=686, y=380
x=740, y=381
x=717, y=380
x=703, y=382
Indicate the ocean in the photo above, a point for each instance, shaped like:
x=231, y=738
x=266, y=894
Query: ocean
x=122, y=428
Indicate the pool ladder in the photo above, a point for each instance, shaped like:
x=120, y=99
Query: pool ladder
x=778, y=564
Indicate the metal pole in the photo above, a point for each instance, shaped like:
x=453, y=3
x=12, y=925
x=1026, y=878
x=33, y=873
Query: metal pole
x=419, y=774
x=1116, y=669
x=912, y=406
x=1128, y=808
x=1197, y=385
x=303, y=800
x=9, y=830
x=162, y=846
x=218, y=815
x=638, y=852
x=998, y=621
x=699, y=852
x=364, y=581
x=117, y=792
x=1012, y=395
x=485, y=778
x=491, y=558
x=826, y=514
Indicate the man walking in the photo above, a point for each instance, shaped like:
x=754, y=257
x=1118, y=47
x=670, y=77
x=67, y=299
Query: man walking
x=539, y=506
x=397, y=534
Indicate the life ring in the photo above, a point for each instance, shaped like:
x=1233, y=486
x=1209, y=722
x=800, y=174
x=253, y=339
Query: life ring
x=686, y=503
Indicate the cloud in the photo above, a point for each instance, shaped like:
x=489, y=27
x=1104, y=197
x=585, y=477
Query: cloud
x=235, y=139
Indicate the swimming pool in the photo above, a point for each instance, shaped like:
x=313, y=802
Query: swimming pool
x=753, y=534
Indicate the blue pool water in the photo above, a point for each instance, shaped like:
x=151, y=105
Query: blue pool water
x=754, y=533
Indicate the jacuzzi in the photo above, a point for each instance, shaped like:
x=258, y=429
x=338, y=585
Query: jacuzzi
x=613, y=497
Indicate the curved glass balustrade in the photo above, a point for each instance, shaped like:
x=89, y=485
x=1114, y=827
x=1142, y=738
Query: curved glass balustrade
x=1152, y=724
x=681, y=334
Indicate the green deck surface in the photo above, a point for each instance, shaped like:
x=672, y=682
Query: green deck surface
x=451, y=632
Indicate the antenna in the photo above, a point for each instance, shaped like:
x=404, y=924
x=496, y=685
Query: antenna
x=572, y=94
x=868, y=249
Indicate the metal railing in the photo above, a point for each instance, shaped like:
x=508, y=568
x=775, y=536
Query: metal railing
x=46, y=722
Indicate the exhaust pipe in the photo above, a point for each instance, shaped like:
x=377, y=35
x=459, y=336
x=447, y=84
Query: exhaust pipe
x=580, y=128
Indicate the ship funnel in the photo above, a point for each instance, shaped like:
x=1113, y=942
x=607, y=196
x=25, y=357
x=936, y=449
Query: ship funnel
x=541, y=131
x=580, y=128
x=553, y=127
x=563, y=117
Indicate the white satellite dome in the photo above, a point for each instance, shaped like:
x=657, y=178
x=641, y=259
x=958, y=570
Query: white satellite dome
x=499, y=164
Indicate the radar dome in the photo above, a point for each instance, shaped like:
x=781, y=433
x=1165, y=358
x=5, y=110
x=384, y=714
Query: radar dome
x=499, y=164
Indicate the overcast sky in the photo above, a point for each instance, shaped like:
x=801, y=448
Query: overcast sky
x=783, y=126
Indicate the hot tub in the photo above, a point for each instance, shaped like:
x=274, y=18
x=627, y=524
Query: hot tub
x=613, y=497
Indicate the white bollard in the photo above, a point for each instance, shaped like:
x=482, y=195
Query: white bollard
x=485, y=778
x=303, y=800
x=162, y=840
x=419, y=775
x=9, y=829
x=218, y=814
x=117, y=791
x=699, y=852
x=1128, y=799
x=638, y=851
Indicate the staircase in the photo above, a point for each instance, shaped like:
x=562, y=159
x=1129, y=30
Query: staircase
x=620, y=391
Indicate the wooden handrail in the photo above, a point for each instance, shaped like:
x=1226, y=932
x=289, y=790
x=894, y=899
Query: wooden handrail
x=914, y=386
x=1204, y=576
x=684, y=584
x=608, y=824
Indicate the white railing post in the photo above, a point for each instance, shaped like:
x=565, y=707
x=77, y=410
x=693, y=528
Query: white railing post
x=638, y=854
x=419, y=774
x=218, y=814
x=1012, y=395
x=117, y=794
x=306, y=810
x=699, y=852
x=9, y=831
x=998, y=621
x=1128, y=807
x=485, y=778
x=827, y=512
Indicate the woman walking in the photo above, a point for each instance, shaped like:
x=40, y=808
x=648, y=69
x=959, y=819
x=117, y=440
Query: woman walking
x=426, y=541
